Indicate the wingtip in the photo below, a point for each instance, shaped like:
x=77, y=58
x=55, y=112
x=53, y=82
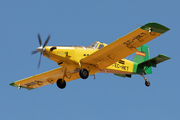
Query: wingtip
x=12, y=84
x=156, y=27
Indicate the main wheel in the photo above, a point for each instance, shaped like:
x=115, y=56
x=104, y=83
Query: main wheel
x=61, y=83
x=147, y=83
x=84, y=74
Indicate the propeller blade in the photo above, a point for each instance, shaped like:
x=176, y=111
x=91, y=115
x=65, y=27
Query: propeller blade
x=39, y=38
x=34, y=52
x=39, y=61
x=41, y=48
x=47, y=40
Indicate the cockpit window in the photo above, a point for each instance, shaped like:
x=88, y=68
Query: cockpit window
x=94, y=45
x=100, y=46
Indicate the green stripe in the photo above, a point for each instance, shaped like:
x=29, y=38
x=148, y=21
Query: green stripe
x=155, y=27
x=135, y=67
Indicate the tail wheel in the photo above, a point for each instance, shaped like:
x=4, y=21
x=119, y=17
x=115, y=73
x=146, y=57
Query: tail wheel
x=84, y=74
x=147, y=83
x=61, y=83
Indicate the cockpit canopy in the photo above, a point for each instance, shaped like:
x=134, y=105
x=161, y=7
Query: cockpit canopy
x=98, y=45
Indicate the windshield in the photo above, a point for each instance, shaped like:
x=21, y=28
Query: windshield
x=94, y=45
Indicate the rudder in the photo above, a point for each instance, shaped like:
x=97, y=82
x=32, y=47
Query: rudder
x=143, y=55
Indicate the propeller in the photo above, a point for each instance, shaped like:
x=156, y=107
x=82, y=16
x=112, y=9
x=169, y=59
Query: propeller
x=41, y=49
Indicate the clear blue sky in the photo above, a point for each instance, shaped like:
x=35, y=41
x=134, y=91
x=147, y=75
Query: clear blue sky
x=81, y=22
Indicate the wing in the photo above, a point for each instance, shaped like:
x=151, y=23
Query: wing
x=46, y=78
x=125, y=45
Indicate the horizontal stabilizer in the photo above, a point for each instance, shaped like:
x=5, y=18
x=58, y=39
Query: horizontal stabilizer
x=154, y=61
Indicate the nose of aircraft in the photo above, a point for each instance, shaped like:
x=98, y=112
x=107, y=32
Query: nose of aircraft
x=41, y=49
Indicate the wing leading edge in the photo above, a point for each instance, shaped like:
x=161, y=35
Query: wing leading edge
x=125, y=45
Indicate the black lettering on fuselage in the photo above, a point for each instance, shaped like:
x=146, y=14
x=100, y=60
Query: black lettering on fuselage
x=116, y=65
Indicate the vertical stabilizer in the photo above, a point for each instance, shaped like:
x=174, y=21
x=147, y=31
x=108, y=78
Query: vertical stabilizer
x=143, y=55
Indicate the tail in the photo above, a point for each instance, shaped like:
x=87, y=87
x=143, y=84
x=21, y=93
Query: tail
x=144, y=63
x=141, y=56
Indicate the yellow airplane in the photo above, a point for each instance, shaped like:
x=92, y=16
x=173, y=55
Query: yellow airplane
x=81, y=61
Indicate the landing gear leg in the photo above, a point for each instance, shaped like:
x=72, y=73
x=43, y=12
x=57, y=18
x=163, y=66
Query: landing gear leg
x=147, y=83
x=61, y=83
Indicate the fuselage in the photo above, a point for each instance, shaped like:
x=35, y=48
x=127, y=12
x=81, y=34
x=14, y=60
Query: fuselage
x=70, y=57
